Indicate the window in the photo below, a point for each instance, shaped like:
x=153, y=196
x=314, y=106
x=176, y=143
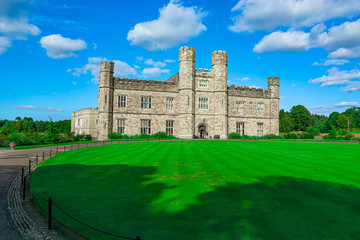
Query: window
x=122, y=101
x=77, y=122
x=170, y=126
x=240, y=107
x=188, y=101
x=104, y=125
x=145, y=102
x=260, y=108
x=80, y=122
x=96, y=122
x=203, y=103
x=250, y=107
x=86, y=122
x=145, y=125
x=203, y=83
x=169, y=103
x=121, y=126
x=260, y=129
x=240, y=128
x=105, y=99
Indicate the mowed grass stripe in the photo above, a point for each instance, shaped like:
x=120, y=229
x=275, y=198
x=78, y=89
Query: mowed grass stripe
x=209, y=189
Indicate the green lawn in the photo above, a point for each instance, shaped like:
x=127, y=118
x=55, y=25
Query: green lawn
x=208, y=190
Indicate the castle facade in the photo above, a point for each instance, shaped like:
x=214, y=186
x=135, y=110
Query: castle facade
x=194, y=103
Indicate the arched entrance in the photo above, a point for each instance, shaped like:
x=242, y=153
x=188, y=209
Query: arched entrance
x=202, y=131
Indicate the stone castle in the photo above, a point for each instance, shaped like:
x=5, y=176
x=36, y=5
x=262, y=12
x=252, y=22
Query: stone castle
x=194, y=103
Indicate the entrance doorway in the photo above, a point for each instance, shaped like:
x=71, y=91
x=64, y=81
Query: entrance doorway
x=202, y=131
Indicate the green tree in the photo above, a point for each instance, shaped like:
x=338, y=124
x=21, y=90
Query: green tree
x=341, y=122
x=301, y=117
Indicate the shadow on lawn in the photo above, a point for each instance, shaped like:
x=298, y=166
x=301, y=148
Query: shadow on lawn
x=117, y=199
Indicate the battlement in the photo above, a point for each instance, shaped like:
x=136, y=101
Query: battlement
x=246, y=91
x=186, y=54
x=145, y=85
x=273, y=81
x=86, y=111
x=219, y=57
x=107, y=66
x=203, y=72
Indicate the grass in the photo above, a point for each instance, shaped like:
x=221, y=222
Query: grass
x=248, y=190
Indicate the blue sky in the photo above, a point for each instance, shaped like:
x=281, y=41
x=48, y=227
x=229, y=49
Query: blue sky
x=50, y=50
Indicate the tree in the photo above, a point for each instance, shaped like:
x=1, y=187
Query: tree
x=341, y=121
x=301, y=117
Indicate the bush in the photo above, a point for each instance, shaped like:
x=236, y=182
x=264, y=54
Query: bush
x=339, y=138
x=144, y=136
x=15, y=137
x=273, y=136
x=125, y=136
x=88, y=137
x=307, y=136
x=291, y=136
x=342, y=131
x=114, y=135
x=234, y=135
x=349, y=136
x=159, y=135
x=313, y=130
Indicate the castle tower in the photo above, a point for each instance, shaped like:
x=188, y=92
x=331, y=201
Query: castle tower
x=186, y=92
x=105, y=99
x=219, y=66
x=273, y=86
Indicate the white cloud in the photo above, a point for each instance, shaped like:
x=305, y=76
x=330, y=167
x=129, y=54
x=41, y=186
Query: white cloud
x=59, y=47
x=151, y=62
x=346, y=53
x=267, y=15
x=139, y=59
x=291, y=41
x=245, y=79
x=176, y=24
x=94, y=45
x=331, y=62
x=17, y=28
x=27, y=107
x=352, y=87
x=337, y=77
x=320, y=109
x=169, y=60
x=154, y=72
x=93, y=67
x=4, y=44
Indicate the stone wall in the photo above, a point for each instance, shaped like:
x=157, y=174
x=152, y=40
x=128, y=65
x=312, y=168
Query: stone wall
x=88, y=118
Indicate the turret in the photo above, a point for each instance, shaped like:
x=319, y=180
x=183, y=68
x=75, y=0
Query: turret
x=219, y=65
x=219, y=68
x=105, y=99
x=186, y=92
x=273, y=85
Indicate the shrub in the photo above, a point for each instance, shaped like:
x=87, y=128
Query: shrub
x=171, y=136
x=114, y=135
x=349, y=136
x=307, y=136
x=273, y=136
x=313, y=130
x=291, y=136
x=88, y=137
x=15, y=137
x=234, y=135
x=144, y=135
x=159, y=135
x=342, y=131
x=125, y=136
x=339, y=138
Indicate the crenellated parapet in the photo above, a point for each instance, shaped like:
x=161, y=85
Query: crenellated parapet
x=107, y=66
x=219, y=57
x=246, y=91
x=186, y=54
x=199, y=72
x=85, y=111
x=144, y=85
x=273, y=81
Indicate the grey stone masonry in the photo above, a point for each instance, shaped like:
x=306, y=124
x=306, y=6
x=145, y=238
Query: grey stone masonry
x=197, y=101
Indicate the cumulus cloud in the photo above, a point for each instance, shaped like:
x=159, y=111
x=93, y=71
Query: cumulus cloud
x=151, y=62
x=337, y=77
x=346, y=53
x=93, y=67
x=17, y=28
x=60, y=47
x=332, y=107
x=331, y=62
x=252, y=15
x=154, y=72
x=176, y=24
x=4, y=44
x=30, y=107
x=290, y=41
x=169, y=60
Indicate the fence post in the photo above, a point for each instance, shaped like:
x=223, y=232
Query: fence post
x=43, y=156
x=78, y=145
x=86, y=144
x=36, y=160
x=49, y=213
x=29, y=165
x=24, y=188
x=50, y=152
x=22, y=175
